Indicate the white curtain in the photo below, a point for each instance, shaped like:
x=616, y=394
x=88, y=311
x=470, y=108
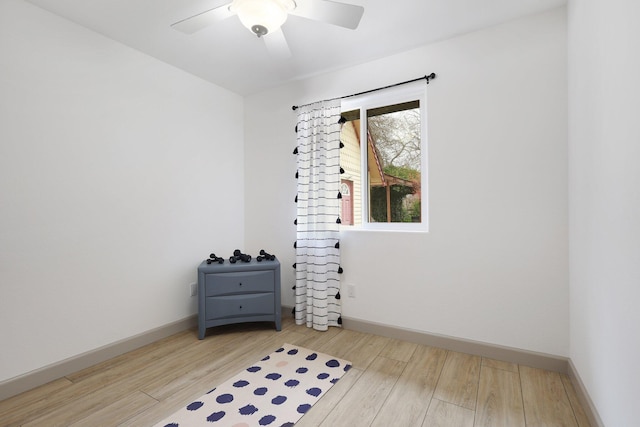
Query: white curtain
x=318, y=216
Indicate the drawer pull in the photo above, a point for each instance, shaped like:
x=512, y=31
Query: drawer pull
x=240, y=283
x=240, y=307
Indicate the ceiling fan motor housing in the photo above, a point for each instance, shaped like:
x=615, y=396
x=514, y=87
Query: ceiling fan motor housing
x=262, y=16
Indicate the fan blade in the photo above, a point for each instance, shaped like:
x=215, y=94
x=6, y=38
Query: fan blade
x=340, y=14
x=203, y=20
x=277, y=44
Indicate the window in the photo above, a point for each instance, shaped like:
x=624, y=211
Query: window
x=384, y=159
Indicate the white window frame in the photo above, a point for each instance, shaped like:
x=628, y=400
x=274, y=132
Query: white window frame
x=391, y=96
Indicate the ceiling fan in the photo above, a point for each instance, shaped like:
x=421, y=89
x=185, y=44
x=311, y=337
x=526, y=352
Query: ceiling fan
x=265, y=17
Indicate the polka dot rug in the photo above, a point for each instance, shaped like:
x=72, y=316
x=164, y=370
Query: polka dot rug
x=276, y=391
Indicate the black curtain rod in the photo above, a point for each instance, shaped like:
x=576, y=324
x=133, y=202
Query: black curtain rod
x=427, y=78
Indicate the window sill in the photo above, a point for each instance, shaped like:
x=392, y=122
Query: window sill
x=386, y=228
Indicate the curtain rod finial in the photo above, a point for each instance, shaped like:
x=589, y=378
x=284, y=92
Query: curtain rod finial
x=294, y=108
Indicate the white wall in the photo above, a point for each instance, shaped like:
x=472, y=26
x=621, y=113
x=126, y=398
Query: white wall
x=604, y=188
x=494, y=266
x=114, y=185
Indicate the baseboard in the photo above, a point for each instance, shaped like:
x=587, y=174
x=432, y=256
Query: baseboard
x=493, y=351
x=507, y=354
x=19, y=384
x=583, y=397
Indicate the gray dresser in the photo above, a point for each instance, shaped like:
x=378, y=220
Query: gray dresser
x=240, y=292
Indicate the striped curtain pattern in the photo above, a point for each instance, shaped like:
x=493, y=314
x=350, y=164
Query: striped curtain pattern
x=317, y=288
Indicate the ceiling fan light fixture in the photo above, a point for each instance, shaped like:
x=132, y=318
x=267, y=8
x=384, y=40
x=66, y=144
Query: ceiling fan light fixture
x=262, y=16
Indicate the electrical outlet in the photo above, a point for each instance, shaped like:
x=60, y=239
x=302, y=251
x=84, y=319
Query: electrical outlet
x=351, y=291
x=194, y=289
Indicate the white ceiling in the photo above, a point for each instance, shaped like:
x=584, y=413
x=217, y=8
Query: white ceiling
x=228, y=55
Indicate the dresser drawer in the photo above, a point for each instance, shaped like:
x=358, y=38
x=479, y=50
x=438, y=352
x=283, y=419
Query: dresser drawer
x=240, y=305
x=238, y=282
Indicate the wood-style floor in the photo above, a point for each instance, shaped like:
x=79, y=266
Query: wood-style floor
x=392, y=383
